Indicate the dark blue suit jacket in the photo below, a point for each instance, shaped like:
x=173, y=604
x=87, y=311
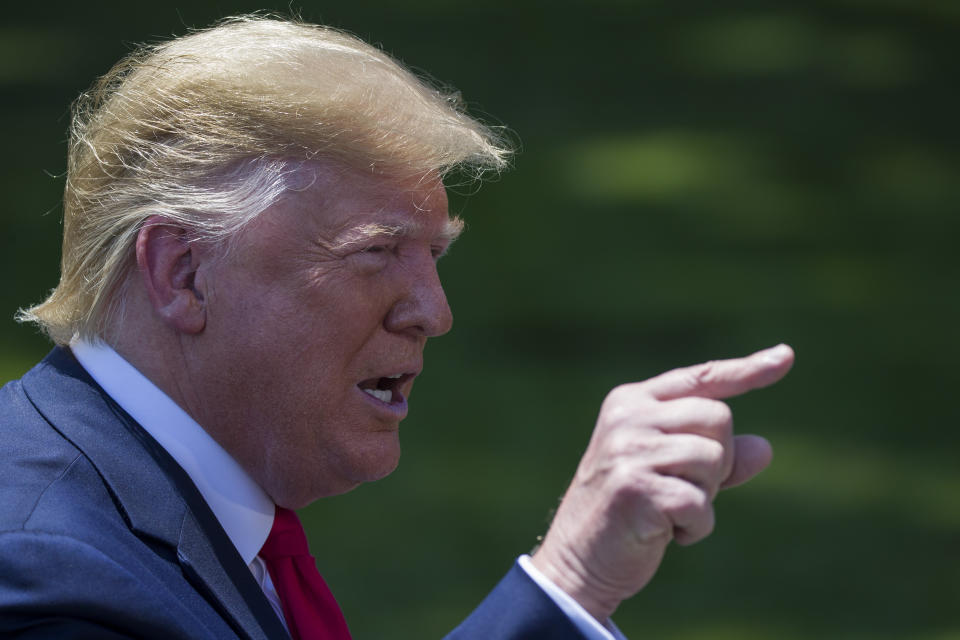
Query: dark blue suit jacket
x=103, y=535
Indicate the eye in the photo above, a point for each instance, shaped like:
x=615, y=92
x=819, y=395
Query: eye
x=377, y=248
x=373, y=257
x=438, y=251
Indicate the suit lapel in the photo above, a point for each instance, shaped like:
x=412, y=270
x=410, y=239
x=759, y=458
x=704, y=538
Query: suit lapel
x=216, y=569
x=154, y=494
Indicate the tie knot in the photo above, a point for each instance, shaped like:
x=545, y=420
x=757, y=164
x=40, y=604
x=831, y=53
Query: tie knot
x=286, y=537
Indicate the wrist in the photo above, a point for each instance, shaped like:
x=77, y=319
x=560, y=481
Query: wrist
x=572, y=577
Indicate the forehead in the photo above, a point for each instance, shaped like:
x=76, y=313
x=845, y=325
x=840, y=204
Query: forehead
x=332, y=209
x=334, y=201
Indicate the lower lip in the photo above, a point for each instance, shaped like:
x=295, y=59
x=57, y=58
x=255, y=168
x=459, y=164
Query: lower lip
x=397, y=410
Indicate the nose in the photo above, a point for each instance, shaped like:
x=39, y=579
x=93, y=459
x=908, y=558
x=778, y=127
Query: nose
x=423, y=310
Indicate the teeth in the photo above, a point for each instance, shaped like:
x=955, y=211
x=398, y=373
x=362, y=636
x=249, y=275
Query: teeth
x=383, y=395
x=395, y=376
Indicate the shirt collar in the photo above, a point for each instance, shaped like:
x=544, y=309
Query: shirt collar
x=240, y=505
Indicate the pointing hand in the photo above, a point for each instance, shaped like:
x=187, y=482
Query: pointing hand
x=660, y=452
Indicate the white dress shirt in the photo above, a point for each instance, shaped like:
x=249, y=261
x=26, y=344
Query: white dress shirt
x=243, y=509
x=241, y=506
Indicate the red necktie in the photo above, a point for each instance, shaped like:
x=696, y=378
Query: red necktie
x=308, y=606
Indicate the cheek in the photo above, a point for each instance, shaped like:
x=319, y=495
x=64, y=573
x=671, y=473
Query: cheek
x=352, y=310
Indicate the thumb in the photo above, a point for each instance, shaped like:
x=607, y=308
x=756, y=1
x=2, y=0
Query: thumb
x=752, y=454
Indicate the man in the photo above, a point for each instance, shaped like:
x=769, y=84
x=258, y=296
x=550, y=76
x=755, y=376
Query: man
x=253, y=215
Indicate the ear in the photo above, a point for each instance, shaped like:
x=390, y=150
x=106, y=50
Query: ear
x=168, y=267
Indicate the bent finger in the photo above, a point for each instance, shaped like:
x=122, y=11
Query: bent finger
x=703, y=462
x=689, y=508
x=702, y=416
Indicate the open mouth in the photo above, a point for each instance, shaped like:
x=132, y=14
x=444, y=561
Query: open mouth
x=387, y=388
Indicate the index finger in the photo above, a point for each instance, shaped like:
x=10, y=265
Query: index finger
x=720, y=379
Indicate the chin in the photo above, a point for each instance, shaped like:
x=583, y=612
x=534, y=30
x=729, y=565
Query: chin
x=373, y=461
x=380, y=461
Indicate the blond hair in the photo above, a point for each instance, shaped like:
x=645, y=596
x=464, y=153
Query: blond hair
x=208, y=129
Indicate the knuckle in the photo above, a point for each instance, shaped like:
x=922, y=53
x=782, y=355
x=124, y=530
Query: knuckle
x=708, y=523
x=706, y=373
x=622, y=394
x=716, y=455
x=700, y=528
x=722, y=414
x=716, y=418
x=687, y=504
x=616, y=394
x=623, y=406
x=614, y=414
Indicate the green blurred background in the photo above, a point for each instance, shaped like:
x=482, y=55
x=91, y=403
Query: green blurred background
x=695, y=180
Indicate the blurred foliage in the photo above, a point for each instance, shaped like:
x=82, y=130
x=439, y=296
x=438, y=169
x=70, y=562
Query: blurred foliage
x=695, y=180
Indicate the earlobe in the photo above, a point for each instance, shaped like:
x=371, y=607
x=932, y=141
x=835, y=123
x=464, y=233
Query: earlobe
x=168, y=266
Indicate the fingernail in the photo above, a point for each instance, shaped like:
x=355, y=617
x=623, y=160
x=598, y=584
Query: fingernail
x=778, y=354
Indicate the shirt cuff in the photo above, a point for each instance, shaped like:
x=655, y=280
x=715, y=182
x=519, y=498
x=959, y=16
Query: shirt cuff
x=585, y=623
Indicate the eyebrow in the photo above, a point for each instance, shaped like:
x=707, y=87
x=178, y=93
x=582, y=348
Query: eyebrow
x=452, y=229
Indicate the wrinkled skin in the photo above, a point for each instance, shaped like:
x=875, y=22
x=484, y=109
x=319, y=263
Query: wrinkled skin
x=268, y=345
x=660, y=452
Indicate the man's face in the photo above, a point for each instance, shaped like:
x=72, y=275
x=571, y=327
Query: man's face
x=315, y=329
